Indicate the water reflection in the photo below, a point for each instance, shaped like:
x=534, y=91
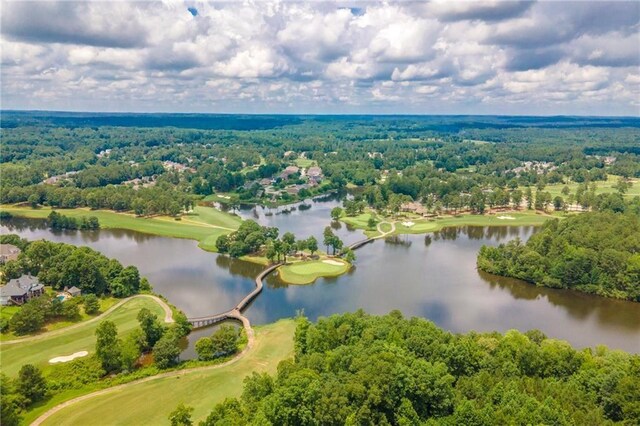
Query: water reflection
x=432, y=276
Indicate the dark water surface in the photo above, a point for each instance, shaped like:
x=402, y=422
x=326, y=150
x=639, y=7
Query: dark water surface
x=431, y=276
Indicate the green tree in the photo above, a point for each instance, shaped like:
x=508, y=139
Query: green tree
x=126, y=283
x=336, y=213
x=349, y=255
x=289, y=238
x=225, y=340
x=28, y=319
x=131, y=349
x=312, y=244
x=91, y=304
x=372, y=223
x=31, y=384
x=108, y=346
x=152, y=329
x=10, y=407
x=181, y=416
x=166, y=350
x=222, y=243
x=204, y=349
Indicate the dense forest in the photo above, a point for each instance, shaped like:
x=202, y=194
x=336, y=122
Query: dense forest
x=360, y=369
x=162, y=164
x=597, y=252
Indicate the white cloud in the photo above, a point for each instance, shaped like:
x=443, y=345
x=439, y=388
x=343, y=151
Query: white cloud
x=321, y=57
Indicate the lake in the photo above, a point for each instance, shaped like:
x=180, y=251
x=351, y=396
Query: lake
x=431, y=276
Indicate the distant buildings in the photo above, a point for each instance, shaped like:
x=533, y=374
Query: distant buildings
x=290, y=170
x=59, y=178
x=20, y=290
x=8, y=252
x=538, y=167
x=171, y=165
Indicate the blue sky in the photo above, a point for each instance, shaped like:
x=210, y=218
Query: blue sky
x=453, y=57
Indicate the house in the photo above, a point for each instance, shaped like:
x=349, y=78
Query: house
x=314, y=171
x=20, y=290
x=414, y=207
x=73, y=291
x=290, y=170
x=8, y=252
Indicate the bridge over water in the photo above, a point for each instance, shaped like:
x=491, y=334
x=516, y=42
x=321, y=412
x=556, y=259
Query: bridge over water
x=236, y=312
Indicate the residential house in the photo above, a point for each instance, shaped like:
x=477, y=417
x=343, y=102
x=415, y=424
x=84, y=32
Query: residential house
x=20, y=290
x=8, y=252
x=290, y=170
x=73, y=291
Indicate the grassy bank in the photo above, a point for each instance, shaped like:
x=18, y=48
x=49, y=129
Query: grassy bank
x=151, y=402
x=39, y=352
x=204, y=224
x=307, y=272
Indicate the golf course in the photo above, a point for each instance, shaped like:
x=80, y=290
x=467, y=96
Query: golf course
x=203, y=224
x=307, y=272
x=409, y=223
x=39, y=349
x=149, y=401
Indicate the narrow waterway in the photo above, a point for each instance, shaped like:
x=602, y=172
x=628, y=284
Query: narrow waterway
x=431, y=276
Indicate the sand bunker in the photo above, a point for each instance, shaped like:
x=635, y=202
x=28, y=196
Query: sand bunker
x=68, y=357
x=333, y=262
x=408, y=224
x=506, y=218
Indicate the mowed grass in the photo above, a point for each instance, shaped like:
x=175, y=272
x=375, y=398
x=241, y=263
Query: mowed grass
x=204, y=224
x=9, y=311
x=605, y=187
x=422, y=225
x=40, y=351
x=307, y=272
x=519, y=219
x=150, y=403
x=304, y=162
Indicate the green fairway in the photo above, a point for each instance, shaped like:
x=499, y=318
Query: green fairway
x=605, y=187
x=421, y=225
x=150, y=402
x=307, y=272
x=82, y=338
x=205, y=223
x=8, y=311
x=360, y=221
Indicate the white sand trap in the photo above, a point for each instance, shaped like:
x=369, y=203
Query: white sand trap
x=332, y=262
x=68, y=357
x=506, y=218
x=408, y=224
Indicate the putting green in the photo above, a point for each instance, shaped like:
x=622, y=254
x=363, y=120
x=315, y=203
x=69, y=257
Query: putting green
x=82, y=338
x=150, y=402
x=306, y=272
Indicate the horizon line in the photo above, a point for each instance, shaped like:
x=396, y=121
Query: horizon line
x=3, y=110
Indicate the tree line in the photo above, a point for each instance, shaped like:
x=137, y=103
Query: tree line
x=597, y=252
x=361, y=369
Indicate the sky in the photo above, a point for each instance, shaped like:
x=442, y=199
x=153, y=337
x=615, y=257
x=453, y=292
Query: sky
x=355, y=57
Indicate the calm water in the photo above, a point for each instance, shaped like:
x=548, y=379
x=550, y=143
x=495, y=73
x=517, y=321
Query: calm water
x=432, y=276
x=303, y=219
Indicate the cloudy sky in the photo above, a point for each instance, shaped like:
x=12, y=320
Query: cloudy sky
x=460, y=57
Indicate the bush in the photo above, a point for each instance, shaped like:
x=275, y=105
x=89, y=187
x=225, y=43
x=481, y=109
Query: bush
x=91, y=304
x=166, y=350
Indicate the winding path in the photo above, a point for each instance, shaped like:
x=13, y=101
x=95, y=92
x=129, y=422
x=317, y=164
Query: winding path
x=168, y=318
x=233, y=314
x=44, y=416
